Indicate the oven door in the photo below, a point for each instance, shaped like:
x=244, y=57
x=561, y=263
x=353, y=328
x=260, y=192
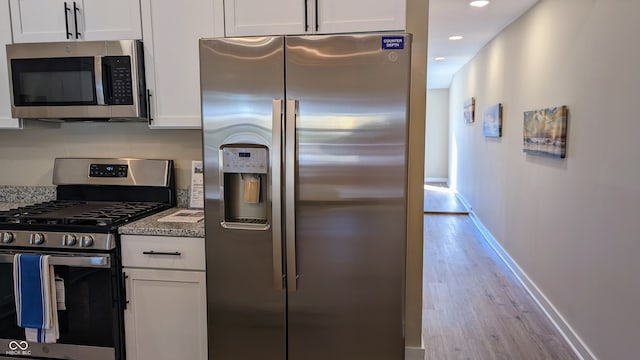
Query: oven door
x=90, y=327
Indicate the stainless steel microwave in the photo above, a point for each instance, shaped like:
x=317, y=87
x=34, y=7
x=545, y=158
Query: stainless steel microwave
x=84, y=80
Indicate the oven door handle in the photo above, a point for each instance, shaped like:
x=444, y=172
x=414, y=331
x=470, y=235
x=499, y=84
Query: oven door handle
x=73, y=261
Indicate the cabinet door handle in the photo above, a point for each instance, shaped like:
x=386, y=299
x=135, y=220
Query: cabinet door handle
x=76, y=10
x=124, y=290
x=306, y=17
x=317, y=24
x=66, y=20
x=149, y=117
x=151, y=252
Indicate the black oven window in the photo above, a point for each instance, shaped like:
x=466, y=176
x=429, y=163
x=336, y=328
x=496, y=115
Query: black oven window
x=91, y=317
x=54, y=81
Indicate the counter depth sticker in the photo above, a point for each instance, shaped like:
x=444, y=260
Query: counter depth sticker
x=392, y=42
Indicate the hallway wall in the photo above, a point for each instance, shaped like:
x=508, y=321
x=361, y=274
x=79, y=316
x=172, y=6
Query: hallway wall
x=436, y=162
x=571, y=224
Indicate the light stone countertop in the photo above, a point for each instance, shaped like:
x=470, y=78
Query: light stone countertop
x=11, y=205
x=150, y=226
x=27, y=194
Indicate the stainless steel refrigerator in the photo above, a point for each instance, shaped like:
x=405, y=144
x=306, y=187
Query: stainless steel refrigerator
x=305, y=168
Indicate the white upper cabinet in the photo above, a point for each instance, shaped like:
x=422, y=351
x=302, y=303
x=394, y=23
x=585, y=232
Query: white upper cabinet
x=110, y=20
x=171, y=32
x=57, y=20
x=276, y=17
x=6, y=121
x=338, y=16
x=282, y=17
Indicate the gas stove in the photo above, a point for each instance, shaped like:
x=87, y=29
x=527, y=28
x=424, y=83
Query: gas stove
x=79, y=233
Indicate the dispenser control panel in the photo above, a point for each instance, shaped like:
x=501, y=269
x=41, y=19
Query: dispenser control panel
x=245, y=160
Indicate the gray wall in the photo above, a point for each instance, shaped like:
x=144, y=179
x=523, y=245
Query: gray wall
x=436, y=147
x=572, y=225
x=26, y=156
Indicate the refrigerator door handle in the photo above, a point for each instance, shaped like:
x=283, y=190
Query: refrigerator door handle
x=290, y=193
x=276, y=195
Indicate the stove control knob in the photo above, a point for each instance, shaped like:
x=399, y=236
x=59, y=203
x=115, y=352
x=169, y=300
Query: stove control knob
x=7, y=238
x=69, y=240
x=36, y=239
x=86, y=241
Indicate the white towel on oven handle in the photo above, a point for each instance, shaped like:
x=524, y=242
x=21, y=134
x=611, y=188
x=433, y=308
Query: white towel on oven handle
x=50, y=331
x=52, y=334
x=60, y=296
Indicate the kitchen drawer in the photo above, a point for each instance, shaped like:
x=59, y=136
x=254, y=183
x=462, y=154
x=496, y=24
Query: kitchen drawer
x=163, y=252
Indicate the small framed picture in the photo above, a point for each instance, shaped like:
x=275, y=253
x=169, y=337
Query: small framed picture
x=492, y=121
x=545, y=132
x=469, y=110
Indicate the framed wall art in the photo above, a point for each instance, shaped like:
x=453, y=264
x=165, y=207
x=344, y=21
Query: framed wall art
x=492, y=121
x=545, y=132
x=469, y=110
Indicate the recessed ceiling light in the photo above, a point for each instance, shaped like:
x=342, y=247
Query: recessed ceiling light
x=479, y=3
x=455, y=37
x=440, y=58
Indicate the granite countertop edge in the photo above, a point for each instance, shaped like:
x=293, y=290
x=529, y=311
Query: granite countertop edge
x=151, y=226
x=146, y=226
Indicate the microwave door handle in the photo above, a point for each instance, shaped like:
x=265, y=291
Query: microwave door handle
x=101, y=73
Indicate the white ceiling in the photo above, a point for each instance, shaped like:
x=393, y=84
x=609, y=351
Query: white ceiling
x=477, y=25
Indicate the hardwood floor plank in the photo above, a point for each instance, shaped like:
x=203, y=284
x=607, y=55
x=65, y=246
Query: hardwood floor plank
x=441, y=200
x=474, y=308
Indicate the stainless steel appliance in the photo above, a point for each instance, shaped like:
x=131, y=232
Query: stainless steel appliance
x=305, y=156
x=79, y=231
x=78, y=80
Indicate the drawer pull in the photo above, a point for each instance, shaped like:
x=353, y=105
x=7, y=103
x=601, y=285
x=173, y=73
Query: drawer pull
x=161, y=253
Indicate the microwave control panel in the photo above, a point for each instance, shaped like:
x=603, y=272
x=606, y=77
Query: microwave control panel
x=117, y=80
x=245, y=160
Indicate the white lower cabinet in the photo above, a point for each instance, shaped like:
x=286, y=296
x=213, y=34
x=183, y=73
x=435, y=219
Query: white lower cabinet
x=166, y=316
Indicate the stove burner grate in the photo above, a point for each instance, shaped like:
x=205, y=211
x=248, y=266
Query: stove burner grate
x=79, y=213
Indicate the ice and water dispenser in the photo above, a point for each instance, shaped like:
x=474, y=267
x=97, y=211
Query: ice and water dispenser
x=244, y=172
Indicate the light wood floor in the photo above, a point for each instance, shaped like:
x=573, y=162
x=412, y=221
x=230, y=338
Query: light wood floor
x=438, y=199
x=473, y=306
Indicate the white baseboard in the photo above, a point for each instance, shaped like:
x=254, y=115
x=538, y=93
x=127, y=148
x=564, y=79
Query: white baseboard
x=575, y=342
x=414, y=353
x=464, y=202
x=431, y=179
